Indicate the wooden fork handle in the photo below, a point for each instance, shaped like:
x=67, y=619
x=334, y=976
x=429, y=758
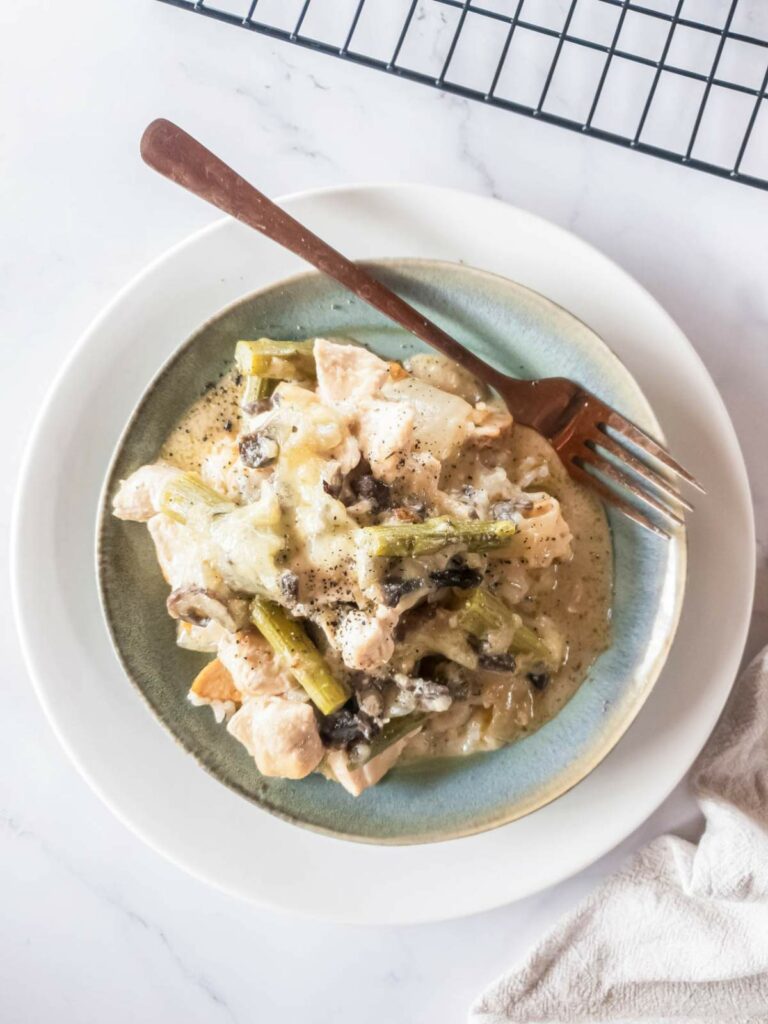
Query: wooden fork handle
x=176, y=155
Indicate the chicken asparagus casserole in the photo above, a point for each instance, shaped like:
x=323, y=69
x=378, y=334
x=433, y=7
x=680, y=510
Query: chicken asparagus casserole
x=384, y=567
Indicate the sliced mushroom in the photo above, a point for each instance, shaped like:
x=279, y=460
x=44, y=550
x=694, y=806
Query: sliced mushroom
x=538, y=680
x=497, y=662
x=393, y=590
x=344, y=728
x=258, y=450
x=427, y=694
x=200, y=606
x=374, y=492
x=289, y=587
x=458, y=575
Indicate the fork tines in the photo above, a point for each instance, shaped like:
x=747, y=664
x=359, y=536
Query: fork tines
x=605, y=461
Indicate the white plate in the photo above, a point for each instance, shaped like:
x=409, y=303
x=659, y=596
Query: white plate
x=159, y=791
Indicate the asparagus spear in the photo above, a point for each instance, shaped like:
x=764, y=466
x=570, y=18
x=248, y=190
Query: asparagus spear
x=288, y=640
x=396, y=729
x=432, y=535
x=256, y=391
x=481, y=613
x=278, y=360
x=525, y=641
x=186, y=498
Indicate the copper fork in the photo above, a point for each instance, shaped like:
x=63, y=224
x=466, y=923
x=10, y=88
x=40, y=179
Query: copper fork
x=597, y=445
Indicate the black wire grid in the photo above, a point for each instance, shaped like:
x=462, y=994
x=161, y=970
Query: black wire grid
x=684, y=80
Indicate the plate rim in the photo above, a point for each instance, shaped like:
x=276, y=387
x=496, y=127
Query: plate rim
x=140, y=827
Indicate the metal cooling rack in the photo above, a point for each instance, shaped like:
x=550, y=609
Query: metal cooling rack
x=684, y=80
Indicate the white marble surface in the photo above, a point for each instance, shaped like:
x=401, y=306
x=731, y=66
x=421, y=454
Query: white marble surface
x=94, y=925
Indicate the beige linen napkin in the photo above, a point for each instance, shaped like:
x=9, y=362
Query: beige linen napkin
x=680, y=934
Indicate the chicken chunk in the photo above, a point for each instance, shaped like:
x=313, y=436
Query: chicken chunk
x=543, y=536
x=138, y=498
x=281, y=735
x=441, y=422
x=346, y=373
x=385, y=433
x=249, y=659
x=356, y=780
x=392, y=416
x=224, y=471
x=181, y=555
x=419, y=473
x=489, y=421
x=366, y=641
x=304, y=423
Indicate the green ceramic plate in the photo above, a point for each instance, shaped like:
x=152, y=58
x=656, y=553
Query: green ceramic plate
x=524, y=334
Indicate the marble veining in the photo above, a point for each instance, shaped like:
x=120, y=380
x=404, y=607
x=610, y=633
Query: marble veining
x=94, y=924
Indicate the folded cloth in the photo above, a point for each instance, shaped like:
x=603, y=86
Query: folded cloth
x=681, y=933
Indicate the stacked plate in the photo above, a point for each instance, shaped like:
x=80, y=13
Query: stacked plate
x=162, y=793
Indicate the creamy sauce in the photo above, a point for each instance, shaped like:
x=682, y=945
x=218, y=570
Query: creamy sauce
x=215, y=416
x=575, y=596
